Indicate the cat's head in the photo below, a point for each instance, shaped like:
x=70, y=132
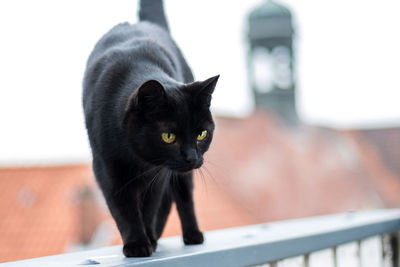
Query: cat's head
x=171, y=127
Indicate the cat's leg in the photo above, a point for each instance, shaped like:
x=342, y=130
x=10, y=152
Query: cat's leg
x=163, y=213
x=130, y=223
x=151, y=204
x=125, y=208
x=126, y=211
x=182, y=188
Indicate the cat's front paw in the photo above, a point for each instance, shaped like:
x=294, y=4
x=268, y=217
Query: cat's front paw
x=193, y=238
x=153, y=244
x=137, y=250
x=152, y=238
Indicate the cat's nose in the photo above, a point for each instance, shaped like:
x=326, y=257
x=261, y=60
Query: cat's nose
x=190, y=155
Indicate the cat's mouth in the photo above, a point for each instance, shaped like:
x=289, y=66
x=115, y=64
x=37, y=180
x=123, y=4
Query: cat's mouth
x=184, y=169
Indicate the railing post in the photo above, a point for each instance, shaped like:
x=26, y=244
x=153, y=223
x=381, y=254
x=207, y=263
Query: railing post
x=383, y=250
x=394, y=247
x=359, y=253
x=334, y=255
x=307, y=260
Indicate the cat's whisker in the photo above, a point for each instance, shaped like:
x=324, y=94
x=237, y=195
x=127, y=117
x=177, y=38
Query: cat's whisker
x=175, y=178
x=217, y=169
x=155, y=179
x=134, y=178
x=203, y=180
x=217, y=166
x=210, y=174
x=169, y=175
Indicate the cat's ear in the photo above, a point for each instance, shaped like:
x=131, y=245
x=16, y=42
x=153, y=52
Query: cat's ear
x=150, y=93
x=147, y=96
x=205, y=90
x=208, y=86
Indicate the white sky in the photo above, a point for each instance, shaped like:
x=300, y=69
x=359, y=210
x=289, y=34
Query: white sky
x=347, y=60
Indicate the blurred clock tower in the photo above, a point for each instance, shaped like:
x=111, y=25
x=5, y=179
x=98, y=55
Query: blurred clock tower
x=271, y=59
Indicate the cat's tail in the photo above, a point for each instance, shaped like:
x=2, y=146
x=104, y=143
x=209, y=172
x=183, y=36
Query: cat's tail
x=153, y=11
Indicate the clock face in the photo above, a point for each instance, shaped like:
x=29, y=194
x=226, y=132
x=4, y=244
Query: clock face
x=282, y=66
x=262, y=70
x=271, y=69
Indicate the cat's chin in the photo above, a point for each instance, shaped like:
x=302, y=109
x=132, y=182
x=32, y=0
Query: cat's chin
x=182, y=170
x=185, y=169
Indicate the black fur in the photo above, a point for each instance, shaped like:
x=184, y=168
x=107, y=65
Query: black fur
x=137, y=86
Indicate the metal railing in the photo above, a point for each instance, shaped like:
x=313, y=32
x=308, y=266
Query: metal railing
x=301, y=241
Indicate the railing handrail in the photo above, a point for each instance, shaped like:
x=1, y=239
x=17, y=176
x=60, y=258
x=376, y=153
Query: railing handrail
x=243, y=246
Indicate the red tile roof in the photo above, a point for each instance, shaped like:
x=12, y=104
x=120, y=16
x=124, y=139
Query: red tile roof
x=35, y=209
x=257, y=170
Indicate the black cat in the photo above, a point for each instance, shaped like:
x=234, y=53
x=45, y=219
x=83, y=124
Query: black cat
x=149, y=125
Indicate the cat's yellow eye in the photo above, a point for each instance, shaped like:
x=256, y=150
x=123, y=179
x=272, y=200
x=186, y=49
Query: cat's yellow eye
x=168, y=137
x=202, y=135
